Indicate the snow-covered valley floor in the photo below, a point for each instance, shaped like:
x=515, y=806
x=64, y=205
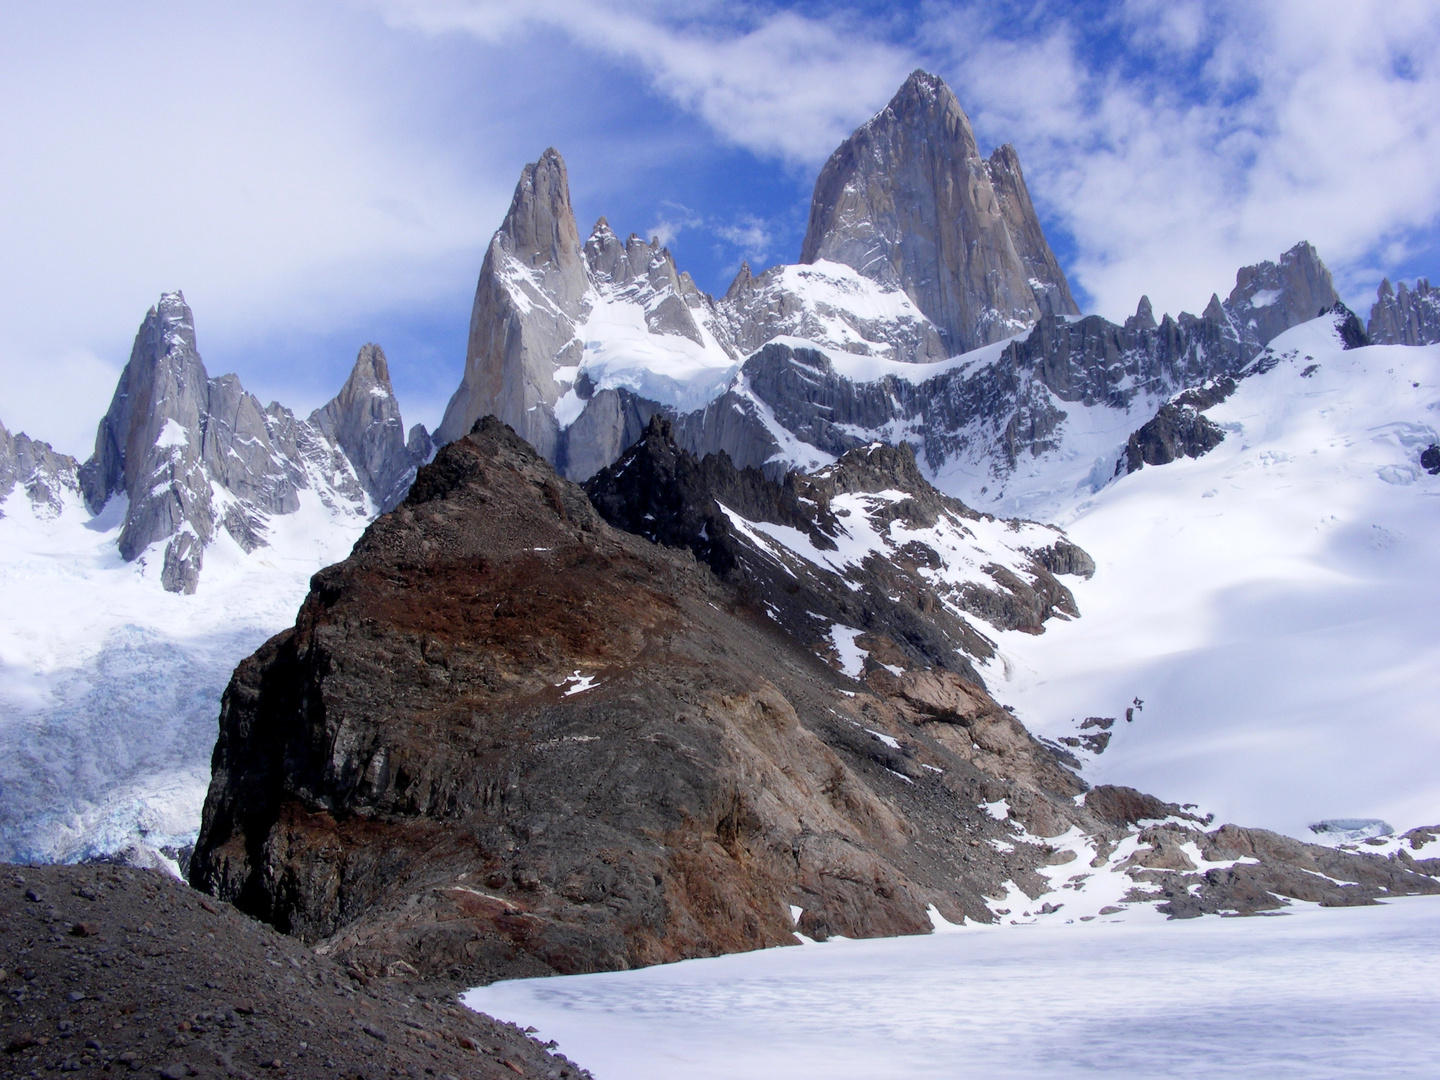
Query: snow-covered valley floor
x=1331, y=993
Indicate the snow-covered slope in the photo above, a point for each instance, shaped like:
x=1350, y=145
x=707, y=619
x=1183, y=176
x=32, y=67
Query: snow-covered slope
x=1265, y=615
x=110, y=685
x=133, y=584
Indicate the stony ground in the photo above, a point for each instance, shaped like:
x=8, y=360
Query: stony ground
x=109, y=969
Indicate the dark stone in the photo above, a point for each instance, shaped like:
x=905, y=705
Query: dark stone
x=1347, y=325
x=419, y=730
x=1179, y=429
x=1126, y=806
x=1430, y=459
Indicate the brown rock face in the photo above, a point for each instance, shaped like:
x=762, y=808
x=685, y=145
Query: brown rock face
x=908, y=201
x=505, y=739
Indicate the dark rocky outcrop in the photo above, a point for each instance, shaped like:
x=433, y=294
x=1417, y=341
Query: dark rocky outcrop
x=1405, y=316
x=418, y=771
x=504, y=739
x=1348, y=326
x=1430, y=459
x=1282, y=869
x=908, y=201
x=1179, y=429
x=660, y=491
x=1126, y=806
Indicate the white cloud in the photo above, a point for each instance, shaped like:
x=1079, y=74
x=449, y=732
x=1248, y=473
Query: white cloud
x=234, y=154
x=777, y=83
x=1218, y=133
x=292, y=168
x=675, y=220
x=752, y=235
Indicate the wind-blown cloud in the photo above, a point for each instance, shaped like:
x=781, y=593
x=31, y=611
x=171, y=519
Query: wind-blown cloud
x=301, y=170
x=217, y=151
x=753, y=236
x=774, y=81
x=1171, y=140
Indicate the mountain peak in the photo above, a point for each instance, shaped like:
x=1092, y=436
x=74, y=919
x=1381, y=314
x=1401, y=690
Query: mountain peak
x=530, y=293
x=908, y=201
x=364, y=420
x=1269, y=298
x=924, y=90
x=539, y=230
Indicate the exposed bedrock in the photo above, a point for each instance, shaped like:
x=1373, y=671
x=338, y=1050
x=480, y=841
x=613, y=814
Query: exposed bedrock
x=196, y=456
x=45, y=476
x=508, y=738
x=504, y=738
x=908, y=201
x=1405, y=316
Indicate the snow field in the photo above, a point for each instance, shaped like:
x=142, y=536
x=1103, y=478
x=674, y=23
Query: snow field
x=1332, y=994
x=1272, y=604
x=110, y=687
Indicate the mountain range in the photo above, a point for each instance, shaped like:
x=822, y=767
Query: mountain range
x=783, y=662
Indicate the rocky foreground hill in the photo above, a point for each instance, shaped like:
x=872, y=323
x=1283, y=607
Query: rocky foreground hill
x=110, y=970
x=505, y=738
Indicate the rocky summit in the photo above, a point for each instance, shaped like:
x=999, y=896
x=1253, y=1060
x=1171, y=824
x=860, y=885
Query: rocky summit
x=194, y=456
x=505, y=738
x=909, y=202
x=927, y=307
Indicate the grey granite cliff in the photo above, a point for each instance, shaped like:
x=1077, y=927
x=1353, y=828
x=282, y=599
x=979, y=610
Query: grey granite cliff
x=1402, y=316
x=527, y=302
x=908, y=200
x=918, y=249
x=1269, y=298
x=38, y=470
x=194, y=455
x=1013, y=407
x=364, y=421
x=149, y=446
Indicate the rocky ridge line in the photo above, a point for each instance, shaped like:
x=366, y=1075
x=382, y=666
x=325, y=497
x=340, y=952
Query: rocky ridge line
x=45, y=476
x=774, y=354
x=897, y=590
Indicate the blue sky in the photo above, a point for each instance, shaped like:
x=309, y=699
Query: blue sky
x=315, y=176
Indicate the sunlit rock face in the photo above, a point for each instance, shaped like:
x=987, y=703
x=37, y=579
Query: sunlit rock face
x=909, y=201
